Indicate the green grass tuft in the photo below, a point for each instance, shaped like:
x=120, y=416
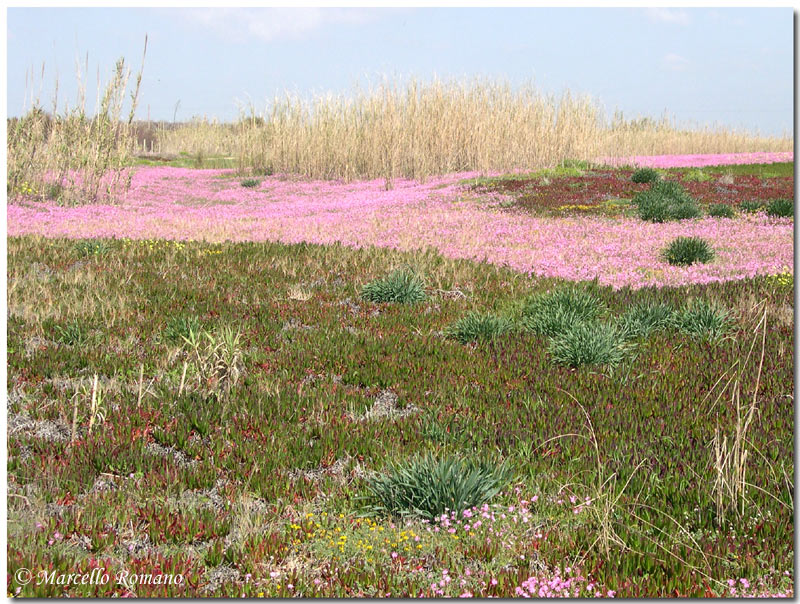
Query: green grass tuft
x=428, y=487
x=403, y=286
x=476, y=326
x=588, y=344
x=684, y=251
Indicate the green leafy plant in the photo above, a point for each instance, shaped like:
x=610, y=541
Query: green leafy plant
x=553, y=312
x=720, y=210
x=645, y=175
x=250, y=183
x=684, y=251
x=705, y=320
x=403, y=286
x=665, y=200
x=781, y=208
x=428, y=487
x=643, y=318
x=588, y=344
x=477, y=326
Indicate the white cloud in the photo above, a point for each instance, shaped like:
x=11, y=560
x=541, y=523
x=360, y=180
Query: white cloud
x=270, y=24
x=668, y=15
x=673, y=62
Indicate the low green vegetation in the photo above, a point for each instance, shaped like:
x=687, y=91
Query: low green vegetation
x=781, y=208
x=643, y=175
x=221, y=425
x=684, y=251
x=721, y=210
x=403, y=286
x=665, y=200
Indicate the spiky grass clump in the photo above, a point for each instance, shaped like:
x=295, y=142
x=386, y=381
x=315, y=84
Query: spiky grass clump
x=704, y=320
x=250, y=183
x=72, y=334
x=478, y=326
x=179, y=328
x=751, y=207
x=646, y=317
x=666, y=200
x=720, y=210
x=428, y=487
x=684, y=251
x=552, y=313
x=91, y=247
x=781, y=208
x=645, y=175
x=588, y=344
x=403, y=286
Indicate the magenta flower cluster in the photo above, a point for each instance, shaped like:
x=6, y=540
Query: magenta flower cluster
x=184, y=204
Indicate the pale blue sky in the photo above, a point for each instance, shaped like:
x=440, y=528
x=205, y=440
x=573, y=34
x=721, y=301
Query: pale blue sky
x=713, y=65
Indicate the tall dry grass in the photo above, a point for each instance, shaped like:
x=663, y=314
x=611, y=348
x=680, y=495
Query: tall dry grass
x=422, y=129
x=70, y=157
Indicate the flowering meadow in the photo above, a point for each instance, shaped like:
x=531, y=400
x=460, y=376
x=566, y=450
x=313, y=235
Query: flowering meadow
x=479, y=385
x=443, y=213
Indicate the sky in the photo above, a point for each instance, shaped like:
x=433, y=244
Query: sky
x=712, y=66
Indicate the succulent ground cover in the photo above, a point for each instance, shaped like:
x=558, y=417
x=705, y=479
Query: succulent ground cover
x=258, y=489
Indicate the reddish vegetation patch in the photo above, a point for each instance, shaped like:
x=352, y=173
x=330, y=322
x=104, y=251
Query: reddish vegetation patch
x=592, y=192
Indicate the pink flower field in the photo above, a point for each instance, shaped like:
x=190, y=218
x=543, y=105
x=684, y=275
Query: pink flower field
x=211, y=205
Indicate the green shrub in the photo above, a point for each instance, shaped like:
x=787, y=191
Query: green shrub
x=551, y=313
x=645, y=175
x=477, y=326
x=179, y=328
x=666, y=200
x=751, y=207
x=250, y=183
x=588, y=344
x=646, y=317
x=720, y=210
x=697, y=175
x=403, y=286
x=704, y=320
x=684, y=251
x=781, y=208
x=427, y=487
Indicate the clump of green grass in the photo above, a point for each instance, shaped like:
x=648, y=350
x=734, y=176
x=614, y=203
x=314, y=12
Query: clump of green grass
x=720, y=210
x=478, y=326
x=92, y=247
x=666, y=200
x=428, y=487
x=553, y=312
x=643, y=318
x=72, y=334
x=705, y=320
x=751, y=207
x=250, y=183
x=684, y=251
x=588, y=344
x=645, y=175
x=403, y=286
x=781, y=208
x=697, y=175
x=179, y=328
